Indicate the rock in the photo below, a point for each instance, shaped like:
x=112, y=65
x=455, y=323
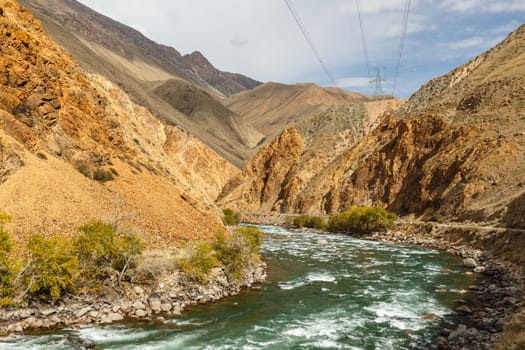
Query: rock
x=470, y=263
x=322, y=241
x=138, y=290
x=115, y=308
x=500, y=324
x=140, y=313
x=111, y=317
x=165, y=307
x=138, y=305
x=47, y=312
x=159, y=321
x=464, y=309
x=441, y=343
x=83, y=311
x=461, y=331
x=480, y=269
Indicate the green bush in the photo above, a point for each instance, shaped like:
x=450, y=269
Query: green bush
x=51, y=268
x=102, y=175
x=230, y=217
x=317, y=222
x=361, y=220
x=102, y=251
x=237, y=250
x=84, y=170
x=6, y=270
x=197, y=259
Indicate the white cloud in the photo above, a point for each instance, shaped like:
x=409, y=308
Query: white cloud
x=466, y=43
x=353, y=82
x=491, y=6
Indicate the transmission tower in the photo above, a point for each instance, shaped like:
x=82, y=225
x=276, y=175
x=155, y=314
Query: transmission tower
x=377, y=82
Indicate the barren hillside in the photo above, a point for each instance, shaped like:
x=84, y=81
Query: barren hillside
x=58, y=122
x=272, y=106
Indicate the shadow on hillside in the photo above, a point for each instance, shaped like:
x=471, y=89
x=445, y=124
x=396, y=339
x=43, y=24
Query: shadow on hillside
x=515, y=215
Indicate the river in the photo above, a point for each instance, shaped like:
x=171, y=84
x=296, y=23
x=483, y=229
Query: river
x=323, y=292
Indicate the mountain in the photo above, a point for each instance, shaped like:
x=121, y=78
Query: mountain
x=138, y=66
x=455, y=149
x=271, y=107
x=59, y=123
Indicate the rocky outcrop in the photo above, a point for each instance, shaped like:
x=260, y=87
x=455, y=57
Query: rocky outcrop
x=227, y=83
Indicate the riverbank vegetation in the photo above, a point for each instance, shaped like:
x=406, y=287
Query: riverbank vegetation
x=231, y=217
x=102, y=256
x=232, y=252
x=361, y=220
x=355, y=220
x=51, y=267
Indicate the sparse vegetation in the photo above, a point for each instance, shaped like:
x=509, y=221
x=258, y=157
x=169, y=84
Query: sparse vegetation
x=54, y=267
x=41, y=156
x=84, y=170
x=6, y=270
x=230, y=217
x=102, y=175
x=231, y=251
x=361, y=220
x=317, y=222
x=236, y=250
x=197, y=259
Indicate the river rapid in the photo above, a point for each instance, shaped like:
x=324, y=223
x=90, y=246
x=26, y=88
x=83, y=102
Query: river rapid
x=323, y=291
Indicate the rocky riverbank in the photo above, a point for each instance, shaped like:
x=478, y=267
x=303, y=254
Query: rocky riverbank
x=483, y=312
x=164, y=295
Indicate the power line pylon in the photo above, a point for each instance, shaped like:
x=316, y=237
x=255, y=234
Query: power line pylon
x=377, y=82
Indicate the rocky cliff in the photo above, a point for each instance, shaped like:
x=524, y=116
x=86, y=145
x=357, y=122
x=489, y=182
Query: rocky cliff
x=59, y=123
x=456, y=149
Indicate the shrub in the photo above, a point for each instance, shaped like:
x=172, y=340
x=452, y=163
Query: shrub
x=230, y=217
x=6, y=271
x=361, y=220
x=197, y=259
x=51, y=268
x=101, y=250
x=102, y=175
x=84, y=170
x=237, y=250
x=317, y=222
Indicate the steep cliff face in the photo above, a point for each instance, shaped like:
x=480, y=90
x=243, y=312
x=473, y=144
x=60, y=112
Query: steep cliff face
x=455, y=149
x=55, y=118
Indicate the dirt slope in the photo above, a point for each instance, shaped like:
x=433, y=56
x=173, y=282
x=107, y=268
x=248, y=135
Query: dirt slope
x=55, y=117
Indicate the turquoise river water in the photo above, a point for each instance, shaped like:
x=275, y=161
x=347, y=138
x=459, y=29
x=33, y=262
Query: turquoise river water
x=323, y=292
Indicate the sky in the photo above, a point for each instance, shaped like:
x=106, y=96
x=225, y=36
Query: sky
x=260, y=38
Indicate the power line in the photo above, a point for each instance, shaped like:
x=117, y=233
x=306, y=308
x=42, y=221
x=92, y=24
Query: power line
x=309, y=40
x=401, y=42
x=363, y=41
